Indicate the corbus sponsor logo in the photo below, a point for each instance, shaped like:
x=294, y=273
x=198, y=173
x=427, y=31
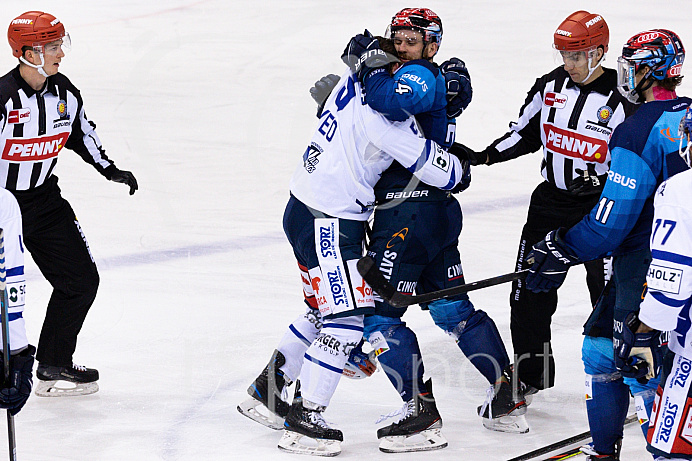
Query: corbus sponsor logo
x=622, y=180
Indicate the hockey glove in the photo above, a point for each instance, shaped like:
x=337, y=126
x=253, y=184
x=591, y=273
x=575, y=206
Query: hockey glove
x=125, y=177
x=465, y=181
x=587, y=183
x=458, y=82
x=637, y=355
x=363, y=55
x=359, y=364
x=462, y=152
x=322, y=89
x=550, y=259
x=15, y=392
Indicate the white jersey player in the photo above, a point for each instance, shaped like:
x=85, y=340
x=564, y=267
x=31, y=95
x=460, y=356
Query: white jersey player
x=331, y=199
x=15, y=392
x=666, y=307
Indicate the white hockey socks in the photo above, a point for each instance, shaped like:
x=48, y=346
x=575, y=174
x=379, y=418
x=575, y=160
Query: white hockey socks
x=300, y=334
x=325, y=358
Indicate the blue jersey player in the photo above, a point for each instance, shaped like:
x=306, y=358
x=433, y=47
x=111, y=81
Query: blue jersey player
x=416, y=227
x=644, y=151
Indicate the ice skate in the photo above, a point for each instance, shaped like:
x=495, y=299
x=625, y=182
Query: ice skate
x=418, y=429
x=593, y=455
x=267, y=406
x=66, y=381
x=308, y=433
x=504, y=408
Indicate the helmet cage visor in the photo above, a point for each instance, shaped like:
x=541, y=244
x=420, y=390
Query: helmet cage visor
x=627, y=71
x=576, y=58
x=53, y=48
x=431, y=30
x=685, y=134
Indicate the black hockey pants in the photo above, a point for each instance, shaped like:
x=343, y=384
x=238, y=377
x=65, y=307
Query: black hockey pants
x=531, y=313
x=59, y=248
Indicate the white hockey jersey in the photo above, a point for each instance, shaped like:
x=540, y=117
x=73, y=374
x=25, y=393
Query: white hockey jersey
x=353, y=145
x=666, y=306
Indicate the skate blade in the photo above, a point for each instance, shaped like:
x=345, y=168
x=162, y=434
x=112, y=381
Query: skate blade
x=293, y=442
x=431, y=439
x=60, y=388
x=256, y=411
x=512, y=424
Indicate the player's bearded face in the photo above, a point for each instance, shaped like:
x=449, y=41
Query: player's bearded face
x=409, y=44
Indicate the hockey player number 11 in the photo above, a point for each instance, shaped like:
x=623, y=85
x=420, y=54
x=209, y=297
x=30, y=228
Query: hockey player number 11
x=604, y=208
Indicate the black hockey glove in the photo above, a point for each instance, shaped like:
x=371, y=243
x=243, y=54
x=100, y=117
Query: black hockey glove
x=458, y=82
x=637, y=355
x=15, y=392
x=550, y=259
x=465, y=181
x=464, y=153
x=587, y=183
x=363, y=55
x=322, y=89
x=125, y=177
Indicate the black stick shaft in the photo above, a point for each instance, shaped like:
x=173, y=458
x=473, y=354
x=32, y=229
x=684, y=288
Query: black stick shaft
x=368, y=269
x=6, y=342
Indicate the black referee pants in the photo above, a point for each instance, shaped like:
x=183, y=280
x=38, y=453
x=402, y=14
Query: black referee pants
x=58, y=247
x=531, y=313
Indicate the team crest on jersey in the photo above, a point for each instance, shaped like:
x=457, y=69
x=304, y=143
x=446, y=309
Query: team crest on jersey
x=310, y=157
x=604, y=114
x=19, y=116
x=62, y=110
x=555, y=100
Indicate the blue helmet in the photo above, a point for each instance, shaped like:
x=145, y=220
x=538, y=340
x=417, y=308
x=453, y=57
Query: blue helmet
x=659, y=49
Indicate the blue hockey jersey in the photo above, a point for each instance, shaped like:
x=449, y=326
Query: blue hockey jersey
x=644, y=152
x=417, y=88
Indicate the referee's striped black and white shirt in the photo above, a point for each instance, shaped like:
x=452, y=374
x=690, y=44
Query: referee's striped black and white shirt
x=36, y=125
x=572, y=123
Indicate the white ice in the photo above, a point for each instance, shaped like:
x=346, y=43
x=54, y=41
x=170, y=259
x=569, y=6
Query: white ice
x=207, y=102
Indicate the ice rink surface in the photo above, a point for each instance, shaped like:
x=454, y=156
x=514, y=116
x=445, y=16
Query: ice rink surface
x=207, y=103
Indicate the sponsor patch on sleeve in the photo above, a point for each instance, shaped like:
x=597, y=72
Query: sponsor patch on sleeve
x=665, y=279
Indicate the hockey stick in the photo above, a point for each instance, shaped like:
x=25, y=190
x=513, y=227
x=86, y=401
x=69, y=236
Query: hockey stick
x=6, y=343
x=563, y=444
x=368, y=269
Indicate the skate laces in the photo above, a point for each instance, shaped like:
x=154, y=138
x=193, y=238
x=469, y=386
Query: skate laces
x=79, y=367
x=316, y=418
x=489, y=396
x=404, y=412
